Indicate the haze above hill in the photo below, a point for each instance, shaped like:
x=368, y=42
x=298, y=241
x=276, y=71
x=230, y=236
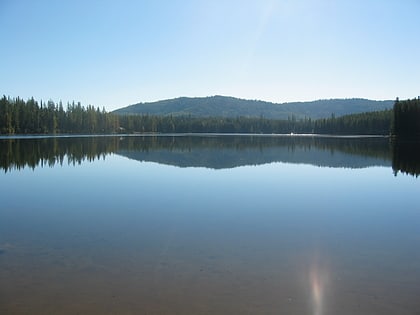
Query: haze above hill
x=224, y=106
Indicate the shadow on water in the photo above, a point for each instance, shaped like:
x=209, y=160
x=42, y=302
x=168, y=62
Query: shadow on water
x=212, y=151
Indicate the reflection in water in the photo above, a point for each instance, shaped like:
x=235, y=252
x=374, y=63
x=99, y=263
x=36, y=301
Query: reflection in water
x=217, y=152
x=232, y=151
x=317, y=291
x=318, y=278
x=116, y=236
x=18, y=153
x=406, y=157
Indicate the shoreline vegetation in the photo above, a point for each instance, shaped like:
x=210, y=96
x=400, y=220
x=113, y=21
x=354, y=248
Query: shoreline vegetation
x=19, y=117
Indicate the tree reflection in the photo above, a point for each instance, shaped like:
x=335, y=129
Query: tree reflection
x=213, y=151
x=39, y=152
x=406, y=157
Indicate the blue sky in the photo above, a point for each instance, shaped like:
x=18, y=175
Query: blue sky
x=116, y=53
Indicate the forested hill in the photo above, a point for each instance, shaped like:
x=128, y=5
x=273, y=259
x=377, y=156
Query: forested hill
x=223, y=106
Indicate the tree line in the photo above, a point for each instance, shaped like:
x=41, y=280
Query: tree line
x=373, y=123
x=407, y=118
x=30, y=117
x=406, y=132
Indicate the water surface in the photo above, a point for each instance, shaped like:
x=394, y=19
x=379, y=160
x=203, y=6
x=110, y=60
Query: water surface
x=208, y=225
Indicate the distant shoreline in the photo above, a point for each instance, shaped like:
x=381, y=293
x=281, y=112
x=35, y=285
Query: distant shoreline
x=193, y=134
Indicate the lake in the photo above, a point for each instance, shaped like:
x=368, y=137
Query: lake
x=209, y=224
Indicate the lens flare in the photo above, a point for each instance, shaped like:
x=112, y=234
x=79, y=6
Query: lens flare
x=317, y=290
x=320, y=286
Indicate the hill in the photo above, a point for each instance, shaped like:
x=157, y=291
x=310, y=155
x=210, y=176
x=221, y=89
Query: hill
x=224, y=106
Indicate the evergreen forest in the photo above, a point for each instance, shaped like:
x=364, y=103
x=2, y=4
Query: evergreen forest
x=30, y=117
x=225, y=106
x=18, y=116
x=406, y=122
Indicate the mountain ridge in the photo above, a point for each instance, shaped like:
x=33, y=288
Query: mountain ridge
x=228, y=106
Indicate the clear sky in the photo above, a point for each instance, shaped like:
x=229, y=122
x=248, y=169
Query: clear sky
x=116, y=53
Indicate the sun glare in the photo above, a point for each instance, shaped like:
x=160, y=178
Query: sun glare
x=317, y=292
x=318, y=277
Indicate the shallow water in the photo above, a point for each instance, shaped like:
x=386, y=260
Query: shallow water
x=207, y=225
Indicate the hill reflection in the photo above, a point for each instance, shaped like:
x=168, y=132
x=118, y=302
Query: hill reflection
x=219, y=152
x=211, y=151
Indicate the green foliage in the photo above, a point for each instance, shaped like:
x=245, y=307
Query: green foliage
x=371, y=123
x=407, y=118
x=230, y=107
x=374, y=123
x=20, y=117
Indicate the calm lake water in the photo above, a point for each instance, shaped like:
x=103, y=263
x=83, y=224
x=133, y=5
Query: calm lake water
x=209, y=225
